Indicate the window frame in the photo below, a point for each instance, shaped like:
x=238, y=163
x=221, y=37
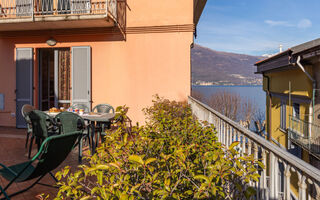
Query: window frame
x=283, y=115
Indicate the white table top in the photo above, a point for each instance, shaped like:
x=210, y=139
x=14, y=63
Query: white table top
x=97, y=117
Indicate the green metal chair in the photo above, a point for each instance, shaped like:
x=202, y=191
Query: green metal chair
x=102, y=108
x=53, y=151
x=70, y=122
x=25, y=111
x=43, y=126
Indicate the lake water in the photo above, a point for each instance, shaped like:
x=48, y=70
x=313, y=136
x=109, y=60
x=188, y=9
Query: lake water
x=254, y=93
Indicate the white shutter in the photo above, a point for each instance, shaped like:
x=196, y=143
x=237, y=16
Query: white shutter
x=81, y=75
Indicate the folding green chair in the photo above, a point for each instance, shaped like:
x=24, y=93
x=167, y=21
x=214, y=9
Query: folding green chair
x=53, y=151
x=70, y=122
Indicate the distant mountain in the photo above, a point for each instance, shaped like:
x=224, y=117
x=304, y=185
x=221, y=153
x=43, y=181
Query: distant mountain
x=210, y=67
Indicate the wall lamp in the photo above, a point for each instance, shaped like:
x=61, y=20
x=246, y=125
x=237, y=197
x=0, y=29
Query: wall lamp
x=51, y=42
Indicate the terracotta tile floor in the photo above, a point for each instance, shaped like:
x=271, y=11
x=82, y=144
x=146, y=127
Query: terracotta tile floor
x=13, y=151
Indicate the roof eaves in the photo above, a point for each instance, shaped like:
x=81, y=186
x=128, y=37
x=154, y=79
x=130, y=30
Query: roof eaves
x=286, y=52
x=305, y=46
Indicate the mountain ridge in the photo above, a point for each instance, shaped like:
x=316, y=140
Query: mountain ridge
x=212, y=67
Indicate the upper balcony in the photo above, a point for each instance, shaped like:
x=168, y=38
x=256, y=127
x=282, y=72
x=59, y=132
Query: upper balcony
x=17, y=15
x=305, y=134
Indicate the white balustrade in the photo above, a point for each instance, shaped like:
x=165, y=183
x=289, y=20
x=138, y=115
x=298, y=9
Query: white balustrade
x=268, y=187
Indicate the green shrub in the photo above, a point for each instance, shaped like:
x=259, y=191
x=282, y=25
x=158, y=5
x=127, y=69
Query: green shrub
x=173, y=156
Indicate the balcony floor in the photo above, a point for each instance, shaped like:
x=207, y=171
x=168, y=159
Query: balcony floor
x=12, y=151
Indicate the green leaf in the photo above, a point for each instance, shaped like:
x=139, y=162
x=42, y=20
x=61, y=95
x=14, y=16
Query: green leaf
x=233, y=145
x=150, y=160
x=205, y=178
x=102, y=167
x=136, y=158
x=85, y=198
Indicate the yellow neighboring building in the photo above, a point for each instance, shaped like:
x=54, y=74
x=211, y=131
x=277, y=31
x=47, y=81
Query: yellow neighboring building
x=291, y=80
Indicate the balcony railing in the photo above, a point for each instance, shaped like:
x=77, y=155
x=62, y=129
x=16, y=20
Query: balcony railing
x=275, y=180
x=305, y=134
x=12, y=9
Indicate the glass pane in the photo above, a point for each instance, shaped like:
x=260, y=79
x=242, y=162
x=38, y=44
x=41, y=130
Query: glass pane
x=47, y=76
x=296, y=110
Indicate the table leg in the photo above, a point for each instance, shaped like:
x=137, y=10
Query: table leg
x=93, y=138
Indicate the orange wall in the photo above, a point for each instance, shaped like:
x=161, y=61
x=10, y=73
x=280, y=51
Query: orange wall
x=7, y=82
x=123, y=71
x=159, y=12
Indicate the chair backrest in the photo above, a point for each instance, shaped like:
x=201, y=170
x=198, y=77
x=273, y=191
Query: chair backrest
x=53, y=151
x=103, y=108
x=40, y=122
x=80, y=106
x=69, y=122
x=25, y=111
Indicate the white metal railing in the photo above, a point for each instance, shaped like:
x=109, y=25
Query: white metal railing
x=305, y=134
x=271, y=185
x=33, y=8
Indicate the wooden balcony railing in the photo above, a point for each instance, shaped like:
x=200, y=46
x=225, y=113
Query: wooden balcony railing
x=275, y=181
x=12, y=9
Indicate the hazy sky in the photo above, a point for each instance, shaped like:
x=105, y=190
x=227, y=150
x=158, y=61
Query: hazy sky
x=258, y=27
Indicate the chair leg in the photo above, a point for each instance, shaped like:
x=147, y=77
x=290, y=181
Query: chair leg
x=80, y=150
x=93, y=139
x=98, y=137
x=54, y=178
x=38, y=142
x=30, y=146
x=26, y=189
x=27, y=139
x=4, y=193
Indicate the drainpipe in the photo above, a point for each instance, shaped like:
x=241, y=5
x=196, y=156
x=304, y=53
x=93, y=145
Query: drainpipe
x=313, y=91
x=269, y=113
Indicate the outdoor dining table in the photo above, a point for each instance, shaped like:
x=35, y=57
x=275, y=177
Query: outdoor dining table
x=92, y=119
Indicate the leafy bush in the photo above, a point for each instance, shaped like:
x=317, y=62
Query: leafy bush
x=173, y=156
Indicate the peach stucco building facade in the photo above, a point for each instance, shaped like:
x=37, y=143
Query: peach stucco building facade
x=148, y=54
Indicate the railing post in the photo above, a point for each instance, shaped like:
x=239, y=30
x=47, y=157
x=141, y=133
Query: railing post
x=107, y=7
x=227, y=135
x=287, y=175
x=238, y=139
x=272, y=175
x=243, y=144
x=224, y=133
x=249, y=146
x=276, y=178
x=316, y=185
x=302, y=186
x=32, y=9
x=219, y=130
x=263, y=177
x=255, y=156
